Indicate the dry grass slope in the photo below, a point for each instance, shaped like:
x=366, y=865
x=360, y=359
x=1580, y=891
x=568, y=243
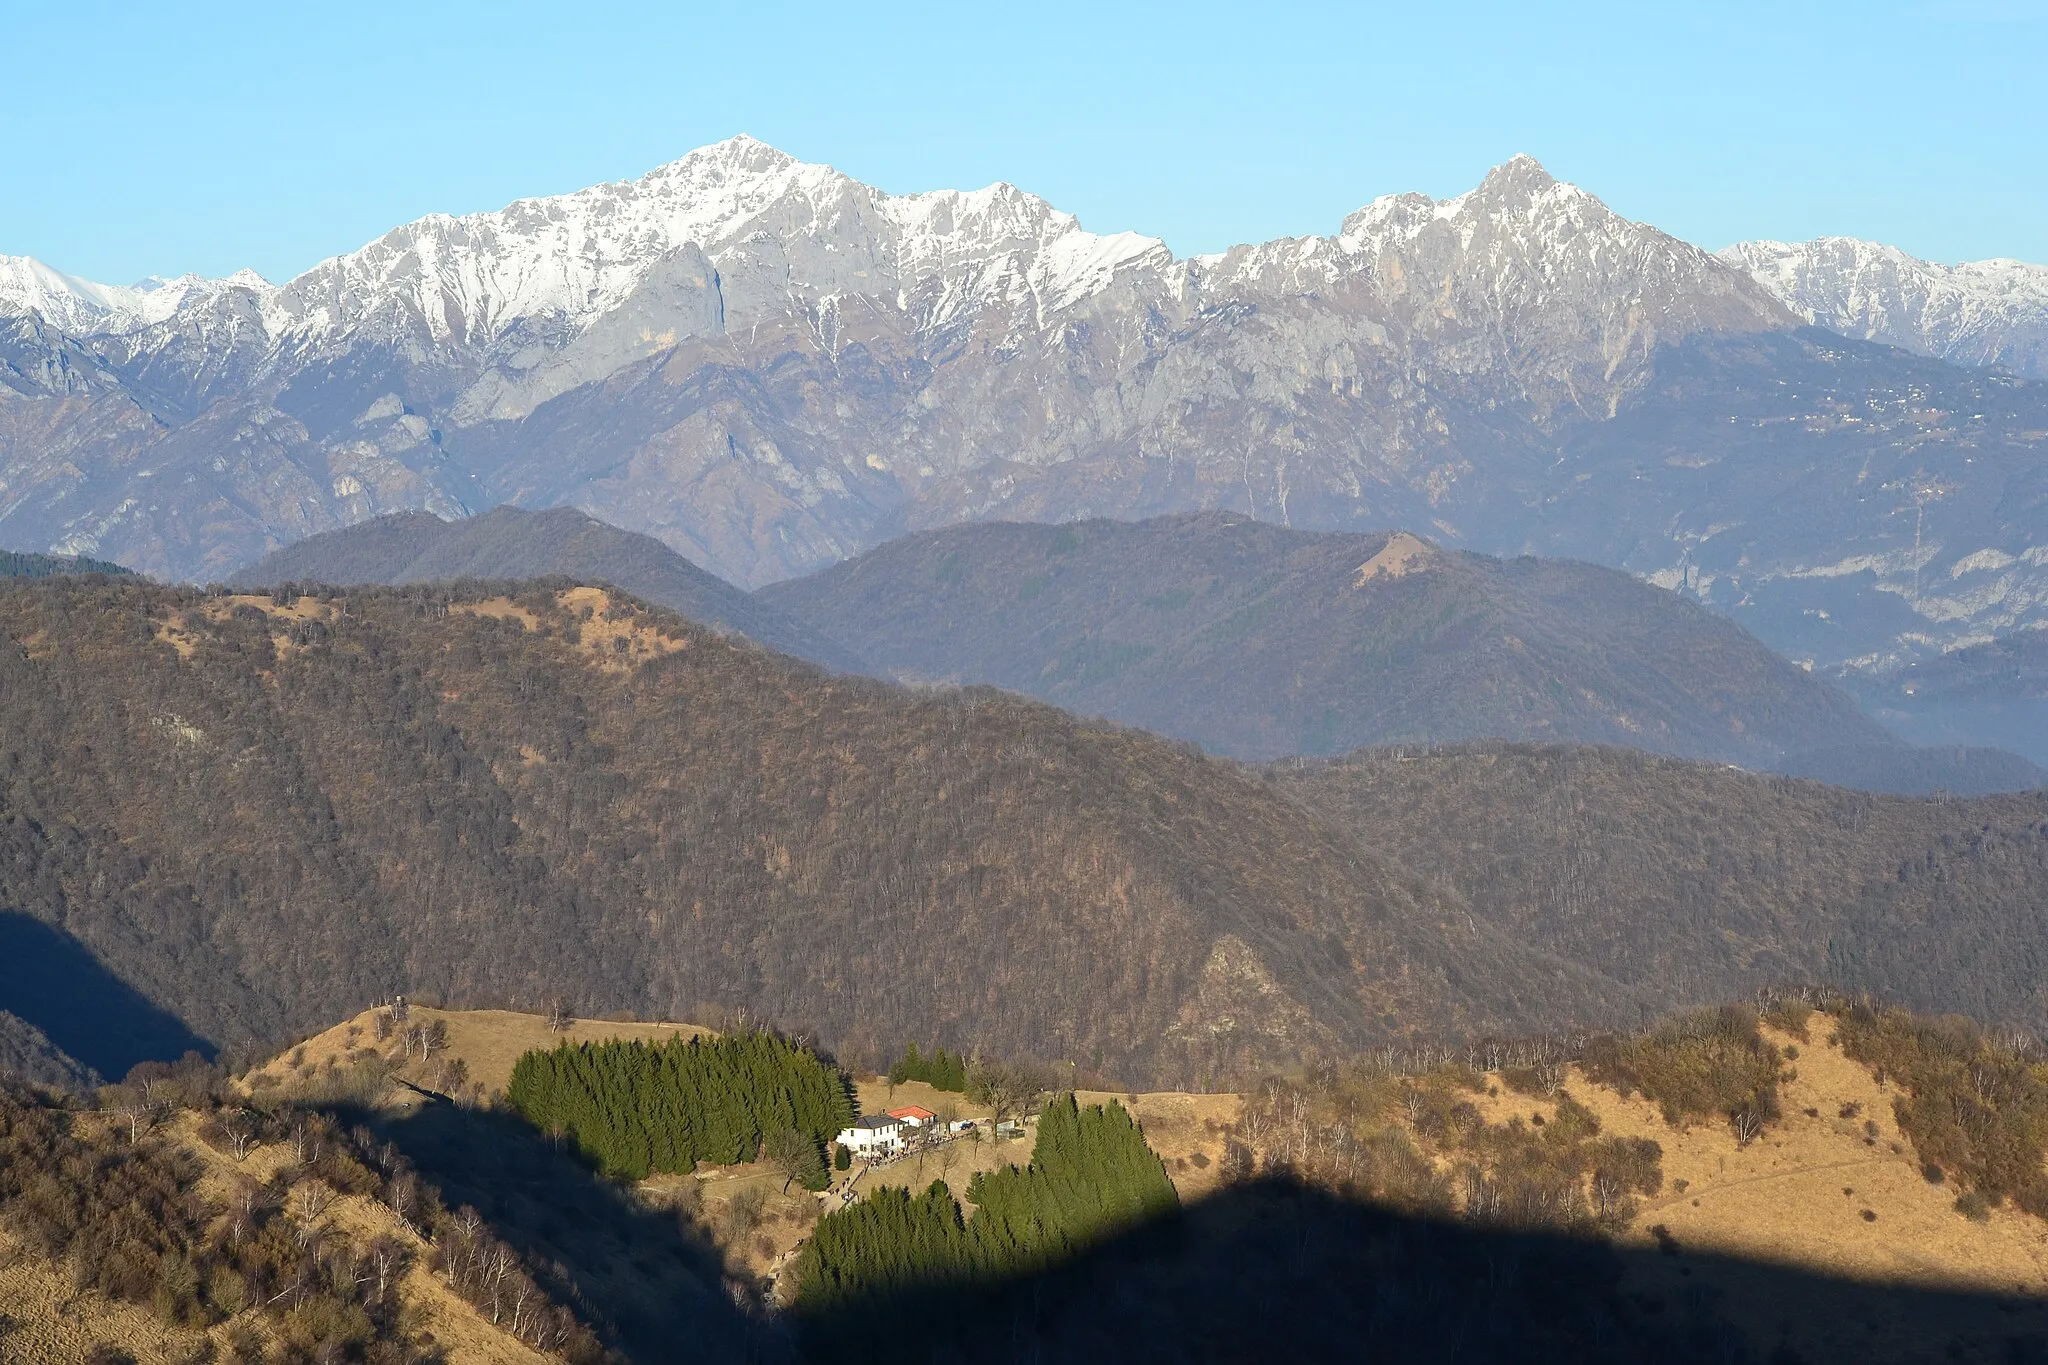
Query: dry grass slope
x=46, y=1319
x=487, y=1042
x=1831, y=1188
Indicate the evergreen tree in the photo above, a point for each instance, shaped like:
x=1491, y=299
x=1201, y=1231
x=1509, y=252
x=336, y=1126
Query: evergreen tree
x=635, y=1108
x=1091, y=1176
x=940, y=1069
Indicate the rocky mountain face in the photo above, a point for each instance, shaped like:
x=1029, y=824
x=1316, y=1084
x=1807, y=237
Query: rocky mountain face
x=770, y=367
x=1259, y=642
x=1978, y=313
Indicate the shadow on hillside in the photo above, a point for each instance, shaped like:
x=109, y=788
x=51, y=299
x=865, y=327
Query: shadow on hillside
x=633, y=1271
x=1265, y=1270
x=1274, y=1271
x=53, y=981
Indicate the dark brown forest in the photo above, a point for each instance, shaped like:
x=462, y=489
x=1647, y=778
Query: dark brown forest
x=262, y=814
x=1710, y=881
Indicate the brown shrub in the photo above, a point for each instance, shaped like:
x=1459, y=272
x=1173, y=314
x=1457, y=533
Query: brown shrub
x=1705, y=1064
x=1974, y=1108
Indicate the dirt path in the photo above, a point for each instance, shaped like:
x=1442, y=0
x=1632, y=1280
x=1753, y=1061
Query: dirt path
x=1694, y=1193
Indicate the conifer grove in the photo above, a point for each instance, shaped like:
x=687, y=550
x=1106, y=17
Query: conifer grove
x=939, y=1069
x=635, y=1108
x=1091, y=1176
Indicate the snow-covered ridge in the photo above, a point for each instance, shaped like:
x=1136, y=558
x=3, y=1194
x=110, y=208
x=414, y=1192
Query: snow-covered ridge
x=776, y=235
x=1521, y=253
x=804, y=235
x=567, y=259
x=85, y=308
x=559, y=262
x=65, y=301
x=1977, y=313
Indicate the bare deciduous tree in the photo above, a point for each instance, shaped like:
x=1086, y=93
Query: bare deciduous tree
x=240, y=1128
x=1008, y=1089
x=134, y=1106
x=793, y=1154
x=309, y=1199
x=386, y=1260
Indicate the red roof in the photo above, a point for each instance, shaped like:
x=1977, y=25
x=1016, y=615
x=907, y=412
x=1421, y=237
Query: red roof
x=911, y=1111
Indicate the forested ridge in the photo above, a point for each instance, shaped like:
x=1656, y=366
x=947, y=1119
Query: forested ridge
x=1259, y=640
x=1955, y=769
x=1710, y=881
x=510, y=542
x=264, y=813
x=1990, y=693
x=14, y=564
x=27, y=1054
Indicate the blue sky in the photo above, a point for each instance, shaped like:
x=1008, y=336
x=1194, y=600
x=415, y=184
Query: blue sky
x=167, y=137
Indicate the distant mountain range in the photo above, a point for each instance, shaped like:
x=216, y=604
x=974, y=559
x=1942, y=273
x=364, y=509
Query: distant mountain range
x=1252, y=639
x=772, y=367
x=1261, y=642
x=1979, y=313
x=506, y=543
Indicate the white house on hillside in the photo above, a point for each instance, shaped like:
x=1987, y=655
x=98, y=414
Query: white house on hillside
x=872, y=1134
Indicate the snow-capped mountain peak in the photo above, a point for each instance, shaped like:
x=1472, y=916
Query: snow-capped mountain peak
x=776, y=233
x=1977, y=313
x=764, y=361
x=558, y=262
x=158, y=298
x=1523, y=257
x=1522, y=174
x=86, y=308
x=65, y=301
